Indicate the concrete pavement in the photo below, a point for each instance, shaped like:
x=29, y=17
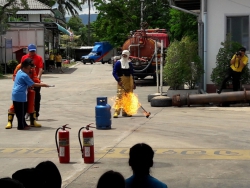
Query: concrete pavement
x=194, y=146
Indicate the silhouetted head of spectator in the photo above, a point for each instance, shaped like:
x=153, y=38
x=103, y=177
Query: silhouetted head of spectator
x=111, y=179
x=51, y=174
x=141, y=159
x=10, y=183
x=30, y=178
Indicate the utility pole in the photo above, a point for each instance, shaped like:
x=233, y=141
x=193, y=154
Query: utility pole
x=142, y=12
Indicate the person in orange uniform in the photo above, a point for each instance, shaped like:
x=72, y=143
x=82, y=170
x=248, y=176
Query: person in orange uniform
x=11, y=111
x=38, y=62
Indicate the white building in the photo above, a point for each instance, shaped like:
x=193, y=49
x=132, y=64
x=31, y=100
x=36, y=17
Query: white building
x=39, y=25
x=217, y=18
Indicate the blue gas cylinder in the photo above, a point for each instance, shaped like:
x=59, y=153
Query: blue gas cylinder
x=103, y=113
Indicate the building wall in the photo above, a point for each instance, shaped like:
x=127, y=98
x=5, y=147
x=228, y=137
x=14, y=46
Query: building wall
x=34, y=17
x=216, y=27
x=22, y=35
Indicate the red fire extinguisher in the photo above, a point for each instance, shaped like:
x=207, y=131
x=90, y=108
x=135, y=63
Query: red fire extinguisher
x=31, y=99
x=63, y=149
x=87, y=147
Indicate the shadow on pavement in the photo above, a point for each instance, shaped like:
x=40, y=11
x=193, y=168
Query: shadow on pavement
x=41, y=128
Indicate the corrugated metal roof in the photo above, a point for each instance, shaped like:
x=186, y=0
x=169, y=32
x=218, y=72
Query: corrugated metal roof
x=33, y=4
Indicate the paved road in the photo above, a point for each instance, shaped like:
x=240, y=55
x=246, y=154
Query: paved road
x=194, y=146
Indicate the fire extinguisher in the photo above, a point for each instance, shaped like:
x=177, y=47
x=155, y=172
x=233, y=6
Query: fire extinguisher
x=87, y=148
x=31, y=99
x=63, y=149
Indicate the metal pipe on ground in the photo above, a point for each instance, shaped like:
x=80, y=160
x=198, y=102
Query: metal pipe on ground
x=237, y=96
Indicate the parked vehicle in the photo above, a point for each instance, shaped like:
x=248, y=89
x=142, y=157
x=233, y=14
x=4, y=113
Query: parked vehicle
x=101, y=52
x=141, y=45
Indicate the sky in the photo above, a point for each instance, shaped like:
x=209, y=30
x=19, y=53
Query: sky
x=85, y=9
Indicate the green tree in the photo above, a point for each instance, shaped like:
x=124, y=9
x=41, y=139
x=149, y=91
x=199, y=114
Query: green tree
x=183, y=65
x=90, y=3
x=182, y=24
x=117, y=18
x=10, y=7
x=12, y=64
x=223, y=59
x=75, y=23
x=65, y=6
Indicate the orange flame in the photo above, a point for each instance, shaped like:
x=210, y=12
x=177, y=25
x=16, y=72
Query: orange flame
x=129, y=102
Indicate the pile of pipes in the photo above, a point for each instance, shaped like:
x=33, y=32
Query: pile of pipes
x=215, y=98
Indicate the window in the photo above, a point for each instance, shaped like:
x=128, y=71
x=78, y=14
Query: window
x=18, y=18
x=238, y=28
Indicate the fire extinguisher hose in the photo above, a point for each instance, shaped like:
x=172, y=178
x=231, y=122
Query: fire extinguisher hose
x=79, y=136
x=63, y=128
x=56, y=139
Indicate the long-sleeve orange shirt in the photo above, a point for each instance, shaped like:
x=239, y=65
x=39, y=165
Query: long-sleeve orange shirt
x=32, y=74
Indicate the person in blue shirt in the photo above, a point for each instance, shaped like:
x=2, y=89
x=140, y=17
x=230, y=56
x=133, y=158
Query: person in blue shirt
x=141, y=160
x=123, y=73
x=19, y=92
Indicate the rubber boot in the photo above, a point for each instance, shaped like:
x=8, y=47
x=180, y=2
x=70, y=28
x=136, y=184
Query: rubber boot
x=10, y=120
x=117, y=113
x=33, y=122
x=124, y=114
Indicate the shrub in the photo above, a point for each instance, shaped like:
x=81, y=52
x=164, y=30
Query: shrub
x=223, y=59
x=12, y=64
x=183, y=65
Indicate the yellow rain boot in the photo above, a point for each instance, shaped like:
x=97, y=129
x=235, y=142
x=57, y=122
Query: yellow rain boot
x=117, y=113
x=10, y=120
x=33, y=122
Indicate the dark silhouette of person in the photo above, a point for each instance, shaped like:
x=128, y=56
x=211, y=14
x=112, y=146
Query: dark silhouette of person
x=111, y=179
x=44, y=175
x=51, y=174
x=141, y=160
x=10, y=183
x=29, y=177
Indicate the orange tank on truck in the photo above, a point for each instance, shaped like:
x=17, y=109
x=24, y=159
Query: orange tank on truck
x=141, y=45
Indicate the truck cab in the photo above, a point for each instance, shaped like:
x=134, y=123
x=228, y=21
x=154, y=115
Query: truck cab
x=101, y=52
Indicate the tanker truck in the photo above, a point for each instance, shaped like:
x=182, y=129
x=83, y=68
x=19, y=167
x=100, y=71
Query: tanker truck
x=141, y=45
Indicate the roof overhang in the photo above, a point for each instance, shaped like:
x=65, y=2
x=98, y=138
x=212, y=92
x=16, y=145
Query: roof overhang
x=188, y=6
x=192, y=5
x=62, y=29
x=57, y=26
x=48, y=12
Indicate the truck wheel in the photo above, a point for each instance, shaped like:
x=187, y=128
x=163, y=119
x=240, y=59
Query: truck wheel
x=161, y=101
x=91, y=61
x=103, y=62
